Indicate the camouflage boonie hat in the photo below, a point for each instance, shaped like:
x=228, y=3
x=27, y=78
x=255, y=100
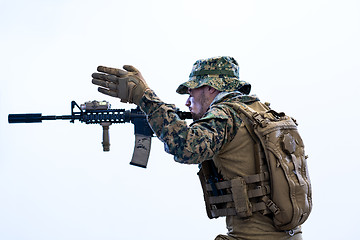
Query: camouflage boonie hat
x=221, y=73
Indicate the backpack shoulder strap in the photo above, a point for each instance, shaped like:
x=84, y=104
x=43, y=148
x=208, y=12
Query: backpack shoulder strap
x=246, y=115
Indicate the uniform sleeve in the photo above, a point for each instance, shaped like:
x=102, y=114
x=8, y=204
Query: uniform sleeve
x=189, y=144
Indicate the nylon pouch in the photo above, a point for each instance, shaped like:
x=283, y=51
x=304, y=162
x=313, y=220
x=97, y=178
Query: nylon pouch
x=239, y=191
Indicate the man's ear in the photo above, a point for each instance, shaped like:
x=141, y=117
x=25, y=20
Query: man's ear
x=212, y=90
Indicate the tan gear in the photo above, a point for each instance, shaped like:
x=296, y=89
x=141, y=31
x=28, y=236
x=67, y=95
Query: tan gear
x=236, y=160
x=291, y=194
x=288, y=194
x=235, y=197
x=127, y=85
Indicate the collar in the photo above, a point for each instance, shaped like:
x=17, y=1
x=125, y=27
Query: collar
x=223, y=95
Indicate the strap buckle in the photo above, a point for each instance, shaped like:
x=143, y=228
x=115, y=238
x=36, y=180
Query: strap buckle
x=259, y=119
x=271, y=205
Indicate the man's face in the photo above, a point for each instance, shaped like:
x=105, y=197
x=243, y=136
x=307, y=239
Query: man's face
x=199, y=101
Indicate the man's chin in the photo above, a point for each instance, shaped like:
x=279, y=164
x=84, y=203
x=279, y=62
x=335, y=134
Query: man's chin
x=195, y=116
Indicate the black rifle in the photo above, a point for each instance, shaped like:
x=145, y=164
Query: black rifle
x=96, y=112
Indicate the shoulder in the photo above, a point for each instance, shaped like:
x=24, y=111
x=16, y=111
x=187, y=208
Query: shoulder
x=217, y=112
x=226, y=106
x=219, y=115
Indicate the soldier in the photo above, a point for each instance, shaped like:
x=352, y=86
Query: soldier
x=217, y=133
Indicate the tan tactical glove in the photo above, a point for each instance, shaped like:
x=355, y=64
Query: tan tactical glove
x=127, y=85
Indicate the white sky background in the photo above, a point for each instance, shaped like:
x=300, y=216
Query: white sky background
x=55, y=181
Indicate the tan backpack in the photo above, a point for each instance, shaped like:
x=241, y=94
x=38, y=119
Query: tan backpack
x=291, y=197
x=282, y=184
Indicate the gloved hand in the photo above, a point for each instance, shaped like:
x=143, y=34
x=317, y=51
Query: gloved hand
x=128, y=85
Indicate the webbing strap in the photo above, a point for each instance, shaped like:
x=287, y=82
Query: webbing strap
x=258, y=192
x=264, y=176
x=219, y=185
x=213, y=72
x=220, y=199
x=256, y=207
x=223, y=212
x=249, y=125
x=252, y=115
x=260, y=206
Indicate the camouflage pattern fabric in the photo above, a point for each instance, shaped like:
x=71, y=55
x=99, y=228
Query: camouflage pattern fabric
x=203, y=138
x=221, y=73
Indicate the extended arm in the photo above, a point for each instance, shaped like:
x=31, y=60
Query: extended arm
x=189, y=144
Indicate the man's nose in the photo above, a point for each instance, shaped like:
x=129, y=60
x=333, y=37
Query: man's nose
x=188, y=103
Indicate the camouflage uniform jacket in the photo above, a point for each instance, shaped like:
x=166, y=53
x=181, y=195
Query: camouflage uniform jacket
x=203, y=138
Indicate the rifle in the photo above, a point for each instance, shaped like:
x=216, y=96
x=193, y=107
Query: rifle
x=100, y=112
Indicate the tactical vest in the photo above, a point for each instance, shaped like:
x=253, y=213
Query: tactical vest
x=263, y=169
